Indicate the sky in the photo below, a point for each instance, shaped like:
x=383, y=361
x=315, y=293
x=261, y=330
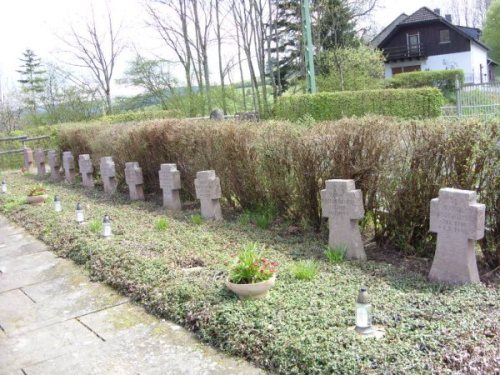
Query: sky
x=40, y=25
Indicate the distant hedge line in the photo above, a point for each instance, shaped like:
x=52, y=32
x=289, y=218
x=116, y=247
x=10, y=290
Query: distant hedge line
x=445, y=80
x=326, y=106
x=399, y=165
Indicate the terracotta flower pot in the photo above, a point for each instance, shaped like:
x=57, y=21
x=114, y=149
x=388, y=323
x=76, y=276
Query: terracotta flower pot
x=37, y=199
x=251, y=291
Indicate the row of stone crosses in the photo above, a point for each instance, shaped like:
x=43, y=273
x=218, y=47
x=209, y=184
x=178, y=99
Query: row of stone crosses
x=455, y=215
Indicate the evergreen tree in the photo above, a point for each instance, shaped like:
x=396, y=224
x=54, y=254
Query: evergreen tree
x=32, y=78
x=334, y=25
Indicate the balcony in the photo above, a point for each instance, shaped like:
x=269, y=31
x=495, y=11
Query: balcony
x=404, y=52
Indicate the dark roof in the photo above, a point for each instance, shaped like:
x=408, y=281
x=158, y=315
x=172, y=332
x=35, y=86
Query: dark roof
x=423, y=15
x=471, y=31
x=388, y=29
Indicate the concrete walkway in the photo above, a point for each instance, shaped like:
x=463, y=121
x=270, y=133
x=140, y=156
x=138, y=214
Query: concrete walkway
x=53, y=320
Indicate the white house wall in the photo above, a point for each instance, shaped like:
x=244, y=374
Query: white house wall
x=460, y=60
x=479, y=57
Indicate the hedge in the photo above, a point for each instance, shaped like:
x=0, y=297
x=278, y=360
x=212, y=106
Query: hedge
x=399, y=165
x=445, y=80
x=405, y=103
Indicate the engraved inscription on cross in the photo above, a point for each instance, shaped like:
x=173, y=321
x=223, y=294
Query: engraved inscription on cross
x=86, y=170
x=28, y=158
x=458, y=220
x=208, y=191
x=342, y=204
x=108, y=174
x=69, y=167
x=170, y=183
x=134, y=180
x=55, y=165
x=40, y=162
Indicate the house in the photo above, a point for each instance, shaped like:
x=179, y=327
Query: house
x=425, y=40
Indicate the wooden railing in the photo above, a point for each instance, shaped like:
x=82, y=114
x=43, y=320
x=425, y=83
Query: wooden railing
x=404, y=52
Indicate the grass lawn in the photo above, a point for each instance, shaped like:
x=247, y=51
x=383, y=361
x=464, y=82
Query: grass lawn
x=176, y=268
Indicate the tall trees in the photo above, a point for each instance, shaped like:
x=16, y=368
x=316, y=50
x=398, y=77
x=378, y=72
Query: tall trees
x=32, y=78
x=471, y=13
x=97, y=51
x=491, y=33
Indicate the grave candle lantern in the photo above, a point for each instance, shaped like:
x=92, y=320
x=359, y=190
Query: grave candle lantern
x=106, y=226
x=79, y=213
x=57, y=204
x=4, y=187
x=363, y=313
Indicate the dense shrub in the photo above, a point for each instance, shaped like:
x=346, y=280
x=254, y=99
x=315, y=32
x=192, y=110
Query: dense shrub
x=406, y=103
x=445, y=80
x=137, y=116
x=399, y=165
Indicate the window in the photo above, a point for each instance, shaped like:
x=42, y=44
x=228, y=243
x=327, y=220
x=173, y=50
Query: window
x=444, y=36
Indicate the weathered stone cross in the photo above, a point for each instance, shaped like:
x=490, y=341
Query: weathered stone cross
x=342, y=204
x=69, y=167
x=208, y=191
x=458, y=220
x=134, y=179
x=40, y=162
x=108, y=174
x=170, y=183
x=86, y=170
x=28, y=158
x=55, y=165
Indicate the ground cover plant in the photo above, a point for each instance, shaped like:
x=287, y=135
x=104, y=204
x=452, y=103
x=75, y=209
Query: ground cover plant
x=301, y=327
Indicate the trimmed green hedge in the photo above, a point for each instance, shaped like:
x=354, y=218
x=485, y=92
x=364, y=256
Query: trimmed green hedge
x=136, y=116
x=406, y=103
x=444, y=80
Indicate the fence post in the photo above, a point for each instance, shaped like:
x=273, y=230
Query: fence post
x=459, y=98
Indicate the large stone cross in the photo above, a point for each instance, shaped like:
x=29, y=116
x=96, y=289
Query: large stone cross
x=86, y=170
x=108, y=174
x=40, y=162
x=170, y=183
x=28, y=158
x=55, y=165
x=208, y=191
x=342, y=204
x=134, y=179
x=458, y=220
x=69, y=167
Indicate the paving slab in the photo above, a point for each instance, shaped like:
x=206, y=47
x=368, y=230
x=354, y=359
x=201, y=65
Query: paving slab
x=33, y=268
x=45, y=343
x=20, y=248
x=53, y=301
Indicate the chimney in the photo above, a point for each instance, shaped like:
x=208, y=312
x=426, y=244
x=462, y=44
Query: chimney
x=448, y=18
x=437, y=11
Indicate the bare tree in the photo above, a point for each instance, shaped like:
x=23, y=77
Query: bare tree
x=470, y=13
x=98, y=52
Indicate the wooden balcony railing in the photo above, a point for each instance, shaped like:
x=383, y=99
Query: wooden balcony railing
x=404, y=52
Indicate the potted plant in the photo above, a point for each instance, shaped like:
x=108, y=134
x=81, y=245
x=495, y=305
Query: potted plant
x=251, y=276
x=37, y=195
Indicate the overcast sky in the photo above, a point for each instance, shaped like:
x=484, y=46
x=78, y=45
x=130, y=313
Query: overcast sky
x=36, y=24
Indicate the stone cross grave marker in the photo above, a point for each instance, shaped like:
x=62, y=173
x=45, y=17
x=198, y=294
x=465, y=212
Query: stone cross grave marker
x=86, y=170
x=69, y=167
x=170, y=183
x=458, y=220
x=134, y=179
x=108, y=174
x=28, y=158
x=55, y=165
x=342, y=204
x=40, y=162
x=208, y=191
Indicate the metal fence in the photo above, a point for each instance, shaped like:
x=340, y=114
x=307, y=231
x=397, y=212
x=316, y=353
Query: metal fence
x=475, y=100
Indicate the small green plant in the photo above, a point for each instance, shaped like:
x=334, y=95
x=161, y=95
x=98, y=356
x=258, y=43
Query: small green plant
x=263, y=220
x=335, y=254
x=245, y=218
x=36, y=190
x=262, y=216
x=95, y=226
x=196, y=219
x=250, y=267
x=11, y=203
x=305, y=270
x=161, y=224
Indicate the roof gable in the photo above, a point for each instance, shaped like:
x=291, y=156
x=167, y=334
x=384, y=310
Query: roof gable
x=421, y=15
